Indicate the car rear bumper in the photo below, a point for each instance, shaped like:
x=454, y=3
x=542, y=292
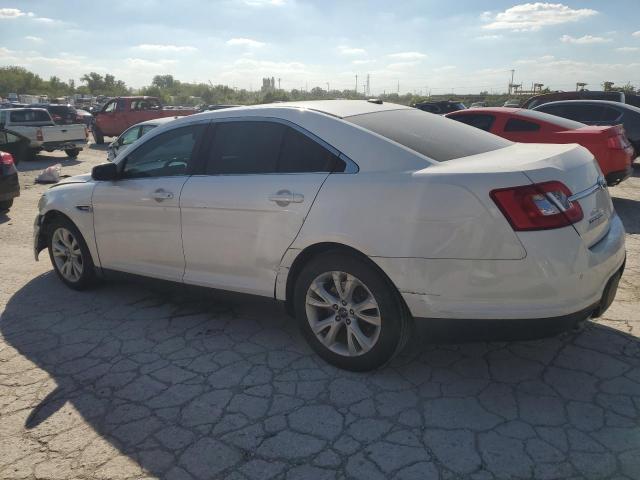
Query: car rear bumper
x=9, y=187
x=66, y=145
x=549, y=282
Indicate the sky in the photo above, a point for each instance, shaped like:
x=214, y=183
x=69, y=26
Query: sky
x=422, y=46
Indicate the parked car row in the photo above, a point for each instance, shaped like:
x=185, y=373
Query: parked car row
x=362, y=217
x=13, y=147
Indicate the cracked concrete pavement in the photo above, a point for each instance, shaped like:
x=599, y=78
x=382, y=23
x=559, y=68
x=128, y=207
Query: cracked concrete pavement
x=144, y=379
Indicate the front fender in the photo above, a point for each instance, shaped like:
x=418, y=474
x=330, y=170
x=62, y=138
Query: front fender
x=73, y=200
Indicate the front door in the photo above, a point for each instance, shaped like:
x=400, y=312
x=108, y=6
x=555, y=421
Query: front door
x=137, y=217
x=246, y=208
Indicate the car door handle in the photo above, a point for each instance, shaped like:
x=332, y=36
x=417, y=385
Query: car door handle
x=285, y=197
x=161, y=195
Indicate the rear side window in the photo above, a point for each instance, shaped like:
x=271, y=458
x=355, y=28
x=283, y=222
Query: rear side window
x=255, y=147
x=435, y=137
x=301, y=154
x=30, y=116
x=610, y=114
x=244, y=148
x=481, y=121
x=583, y=113
x=519, y=125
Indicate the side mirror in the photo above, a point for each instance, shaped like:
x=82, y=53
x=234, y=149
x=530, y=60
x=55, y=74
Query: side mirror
x=105, y=172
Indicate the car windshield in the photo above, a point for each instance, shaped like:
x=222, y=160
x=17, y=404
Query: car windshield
x=435, y=137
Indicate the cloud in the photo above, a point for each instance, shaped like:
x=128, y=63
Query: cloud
x=584, y=40
x=9, y=13
x=402, y=65
x=445, y=68
x=533, y=16
x=33, y=39
x=636, y=34
x=264, y=3
x=345, y=50
x=489, y=37
x=141, y=63
x=245, y=42
x=362, y=62
x=628, y=49
x=150, y=47
x=407, y=55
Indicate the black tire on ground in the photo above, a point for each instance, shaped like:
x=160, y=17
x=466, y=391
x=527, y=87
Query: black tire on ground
x=395, y=325
x=88, y=276
x=72, y=152
x=98, y=137
x=6, y=205
x=31, y=155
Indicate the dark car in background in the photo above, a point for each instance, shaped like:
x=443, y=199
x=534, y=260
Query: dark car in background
x=599, y=112
x=611, y=96
x=10, y=143
x=15, y=144
x=440, y=108
x=62, y=114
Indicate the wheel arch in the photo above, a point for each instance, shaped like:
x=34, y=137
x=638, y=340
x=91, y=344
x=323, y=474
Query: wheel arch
x=321, y=248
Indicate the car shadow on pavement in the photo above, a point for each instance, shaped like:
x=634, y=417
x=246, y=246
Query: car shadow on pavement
x=142, y=377
x=629, y=212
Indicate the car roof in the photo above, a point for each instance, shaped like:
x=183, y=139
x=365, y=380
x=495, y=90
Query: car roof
x=23, y=108
x=335, y=108
x=157, y=121
x=591, y=102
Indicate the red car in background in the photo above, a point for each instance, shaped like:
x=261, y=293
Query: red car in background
x=121, y=113
x=608, y=144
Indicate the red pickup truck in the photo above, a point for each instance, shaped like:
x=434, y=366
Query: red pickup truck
x=121, y=113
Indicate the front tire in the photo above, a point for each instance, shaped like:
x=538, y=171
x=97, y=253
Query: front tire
x=72, y=152
x=70, y=255
x=349, y=312
x=98, y=137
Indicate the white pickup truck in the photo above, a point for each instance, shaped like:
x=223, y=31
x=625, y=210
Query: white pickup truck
x=37, y=125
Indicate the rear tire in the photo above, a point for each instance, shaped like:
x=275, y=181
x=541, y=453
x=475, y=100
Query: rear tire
x=6, y=205
x=72, y=152
x=359, y=328
x=98, y=137
x=70, y=255
x=31, y=155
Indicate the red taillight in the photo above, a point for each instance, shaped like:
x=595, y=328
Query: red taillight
x=56, y=118
x=6, y=159
x=617, y=142
x=540, y=206
x=39, y=136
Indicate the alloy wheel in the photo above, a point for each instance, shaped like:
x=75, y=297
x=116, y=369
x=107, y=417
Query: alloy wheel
x=343, y=313
x=67, y=254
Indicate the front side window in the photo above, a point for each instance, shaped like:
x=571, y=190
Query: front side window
x=129, y=136
x=583, y=113
x=168, y=154
x=146, y=129
x=110, y=107
x=519, y=125
x=610, y=114
x=482, y=121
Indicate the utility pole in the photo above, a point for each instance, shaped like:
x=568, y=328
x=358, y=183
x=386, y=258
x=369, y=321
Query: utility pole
x=356, y=84
x=278, y=83
x=368, y=85
x=398, y=87
x=511, y=84
x=328, y=87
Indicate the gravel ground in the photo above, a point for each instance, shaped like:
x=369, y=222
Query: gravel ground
x=144, y=379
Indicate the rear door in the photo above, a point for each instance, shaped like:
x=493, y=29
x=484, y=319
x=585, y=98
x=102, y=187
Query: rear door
x=247, y=206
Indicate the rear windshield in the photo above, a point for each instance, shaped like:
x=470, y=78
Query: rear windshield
x=30, y=116
x=433, y=136
x=61, y=110
x=553, y=119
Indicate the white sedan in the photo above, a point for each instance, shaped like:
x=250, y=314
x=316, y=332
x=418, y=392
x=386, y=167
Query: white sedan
x=361, y=216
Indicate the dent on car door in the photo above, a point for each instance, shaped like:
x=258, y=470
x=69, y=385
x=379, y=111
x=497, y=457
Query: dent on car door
x=246, y=208
x=137, y=217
